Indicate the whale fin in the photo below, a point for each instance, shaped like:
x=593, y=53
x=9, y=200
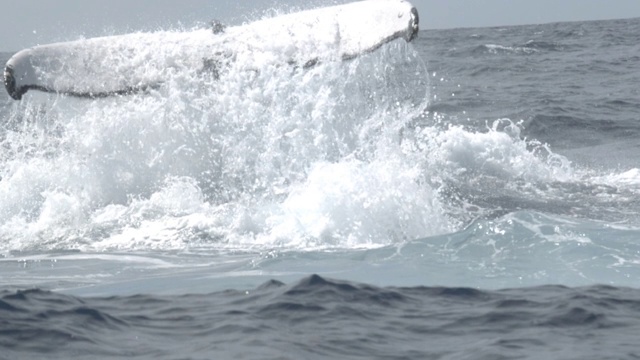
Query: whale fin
x=118, y=65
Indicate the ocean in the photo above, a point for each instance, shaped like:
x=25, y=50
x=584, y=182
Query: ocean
x=471, y=195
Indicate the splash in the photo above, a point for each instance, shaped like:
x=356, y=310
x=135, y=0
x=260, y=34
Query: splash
x=336, y=156
x=271, y=156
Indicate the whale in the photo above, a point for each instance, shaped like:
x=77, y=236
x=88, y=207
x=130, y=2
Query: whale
x=123, y=64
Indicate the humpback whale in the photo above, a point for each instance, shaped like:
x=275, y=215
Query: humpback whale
x=121, y=64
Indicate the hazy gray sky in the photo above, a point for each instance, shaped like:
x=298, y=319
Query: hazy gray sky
x=29, y=22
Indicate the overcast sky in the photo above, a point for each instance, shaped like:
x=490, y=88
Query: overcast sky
x=30, y=22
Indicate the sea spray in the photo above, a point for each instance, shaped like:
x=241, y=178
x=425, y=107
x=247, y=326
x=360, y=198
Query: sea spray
x=252, y=157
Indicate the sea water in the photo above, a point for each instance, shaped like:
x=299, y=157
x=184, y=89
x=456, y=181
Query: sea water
x=471, y=195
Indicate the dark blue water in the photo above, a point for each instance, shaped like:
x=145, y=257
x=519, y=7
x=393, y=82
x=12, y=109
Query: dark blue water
x=520, y=242
x=572, y=84
x=318, y=318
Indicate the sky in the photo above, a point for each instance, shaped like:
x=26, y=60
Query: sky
x=27, y=23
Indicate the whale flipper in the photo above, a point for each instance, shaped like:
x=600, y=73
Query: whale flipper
x=117, y=65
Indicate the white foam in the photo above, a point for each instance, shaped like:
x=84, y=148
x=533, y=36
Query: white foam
x=270, y=157
x=357, y=204
x=498, y=152
x=242, y=162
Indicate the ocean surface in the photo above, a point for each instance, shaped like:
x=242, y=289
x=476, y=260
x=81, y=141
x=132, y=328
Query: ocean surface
x=472, y=195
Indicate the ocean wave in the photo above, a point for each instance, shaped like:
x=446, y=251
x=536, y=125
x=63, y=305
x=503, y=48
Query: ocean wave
x=501, y=49
x=276, y=320
x=528, y=48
